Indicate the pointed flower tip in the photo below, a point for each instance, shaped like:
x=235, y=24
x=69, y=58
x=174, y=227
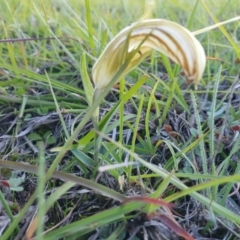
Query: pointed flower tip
x=167, y=37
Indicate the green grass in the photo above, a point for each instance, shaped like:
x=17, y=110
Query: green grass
x=156, y=136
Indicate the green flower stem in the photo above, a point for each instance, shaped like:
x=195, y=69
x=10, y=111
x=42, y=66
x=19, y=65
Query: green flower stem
x=95, y=119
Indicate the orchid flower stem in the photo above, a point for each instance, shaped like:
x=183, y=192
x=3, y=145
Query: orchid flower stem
x=95, y=119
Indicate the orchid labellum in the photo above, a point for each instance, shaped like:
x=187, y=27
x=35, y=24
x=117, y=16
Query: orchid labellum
x=137, y=41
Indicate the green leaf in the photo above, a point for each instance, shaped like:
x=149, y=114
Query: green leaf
x=34, y=137
x=82, y=157
x=88, y=88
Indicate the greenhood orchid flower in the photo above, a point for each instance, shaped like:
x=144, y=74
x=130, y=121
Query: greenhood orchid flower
x=137, y=41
